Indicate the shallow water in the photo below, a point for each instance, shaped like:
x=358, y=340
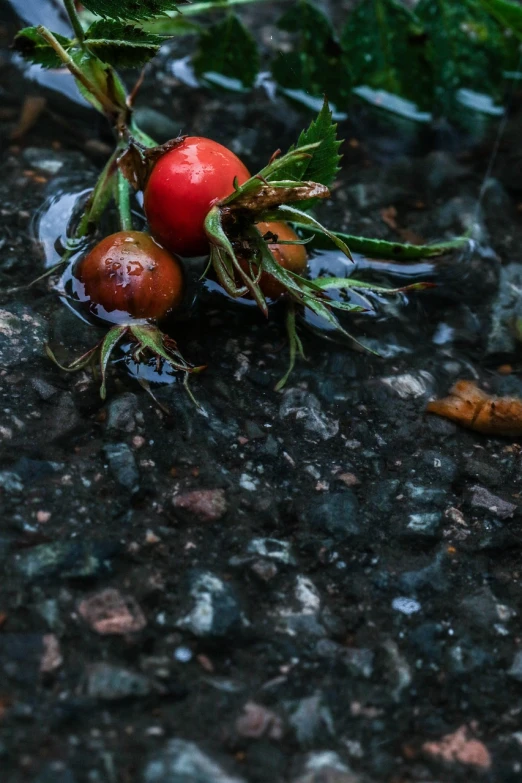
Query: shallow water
x=295, y=585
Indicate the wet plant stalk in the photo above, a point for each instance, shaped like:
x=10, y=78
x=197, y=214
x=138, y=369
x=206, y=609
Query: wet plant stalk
x=75, y=20
x=67, y=60
x=123, y=202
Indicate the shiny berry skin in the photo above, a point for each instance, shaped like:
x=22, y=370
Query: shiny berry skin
x=128, y=274
x=183, y=186
x=291, y=257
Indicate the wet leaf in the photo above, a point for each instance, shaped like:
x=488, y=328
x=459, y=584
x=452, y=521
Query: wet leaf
x=34, y=48
x=122, y=45
x=381, y=248
x=295, y=346
x=477, y=410
x=385, y=44
x=110, y=341
x=292, y=214
x=101, y=75
x=322, y=164
x=317, y=65
x=228, y=49
x=130, y=9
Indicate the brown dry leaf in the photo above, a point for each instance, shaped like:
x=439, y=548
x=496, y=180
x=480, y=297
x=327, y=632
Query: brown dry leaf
x=476, y=409
x=32, y=109
x=389, y=216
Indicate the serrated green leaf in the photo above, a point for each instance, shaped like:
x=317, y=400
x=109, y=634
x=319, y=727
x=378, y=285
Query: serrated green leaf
x=466, y=49
x=316, y=66
x=323, y=163
x=122, y=45
x=32, y=46
x=228, y=49
x=381, y=248
x=386, y=46
x=131, y=9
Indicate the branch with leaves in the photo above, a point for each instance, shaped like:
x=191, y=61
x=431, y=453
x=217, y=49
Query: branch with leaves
x=241, y=255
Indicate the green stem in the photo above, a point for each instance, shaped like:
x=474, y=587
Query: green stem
x=67, y=60
x=123, y=201
x=75, y=20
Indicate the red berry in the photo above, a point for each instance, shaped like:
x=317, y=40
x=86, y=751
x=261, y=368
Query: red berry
x=129, y=274
x=183, y=186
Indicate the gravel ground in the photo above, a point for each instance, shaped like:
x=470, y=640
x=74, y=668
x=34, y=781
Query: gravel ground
x=319, y=586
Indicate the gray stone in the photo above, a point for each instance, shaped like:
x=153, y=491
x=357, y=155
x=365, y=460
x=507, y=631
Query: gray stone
x=506, y=311
x=424, y=525
x=305, y=409
x=214, y=610
x=431, y=576
x=112, y=683
x=51, y=162
x=123, y=465
x=482, y=610
x=515, y=669
x=11, y=483
x=411, y=385
x=426, y=496
x=309, y=717
x=439, y=466
x=121, y=413
x=483, y=472
x=273, y=549
x=359, y=661
x=382, y=494
x=325, y=766
x=32, y=470
x=22, y=335
x=181, y=761
x=482, y=498
x=66, y=559
x=64, y=420
x=336, y=513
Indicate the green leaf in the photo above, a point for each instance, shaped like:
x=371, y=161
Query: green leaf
x=110, y=341
x=322, y=165
x=381, y=248
x=466, y=49
x=33, y=47
x=228, y=49
x=294, y=343
x=100, y=74
x=122, y=45
x=317, y=65
x=286, y=212
x=386, y=47
x=509, y=15
x=130, y=9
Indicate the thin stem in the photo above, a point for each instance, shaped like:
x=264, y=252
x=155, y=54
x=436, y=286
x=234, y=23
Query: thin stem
x=123, y=201
x=67, y=60
x=75, y=19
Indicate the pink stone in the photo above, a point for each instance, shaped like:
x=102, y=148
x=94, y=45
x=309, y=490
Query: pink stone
x=110, y=612
x=459, y=747
x=207, y=504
